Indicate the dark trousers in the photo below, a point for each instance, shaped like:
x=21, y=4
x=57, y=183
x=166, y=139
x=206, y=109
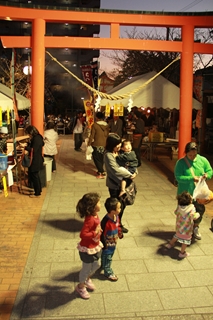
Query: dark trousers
x=98, y=158
x=78, y=139
x=35, y=180
x=200, y=208
x=136, y=146
x=114, y=193
x=53, y=162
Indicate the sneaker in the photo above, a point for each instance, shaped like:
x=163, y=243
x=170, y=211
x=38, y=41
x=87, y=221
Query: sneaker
x=183, y=255
x=82, y=292
x=124, y=230
x=112, y=277
x=197, y=234
x=100, y=176
x=89, y=284
x=104, y=173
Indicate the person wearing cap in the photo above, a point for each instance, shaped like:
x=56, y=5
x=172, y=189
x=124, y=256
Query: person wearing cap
x=188, y=171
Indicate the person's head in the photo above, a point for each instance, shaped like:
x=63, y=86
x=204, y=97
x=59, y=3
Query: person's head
x=99, y=116
x=31, y=130
x=113, y=206
x=115, y=118
x=191, y=150
x=113, y=142
x=138, y=114
x=184, y=199
x=89, y=205
x=50, y=125
x=126, y=146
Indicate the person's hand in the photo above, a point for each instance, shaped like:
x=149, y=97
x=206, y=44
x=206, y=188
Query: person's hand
x=133, y=176
x=204, y=176
x=98, y=229
x=196, y=179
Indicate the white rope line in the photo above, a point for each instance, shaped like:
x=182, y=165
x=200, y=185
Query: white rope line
x=109, y=96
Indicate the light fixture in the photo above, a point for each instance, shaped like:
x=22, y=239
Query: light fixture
x=26, y=70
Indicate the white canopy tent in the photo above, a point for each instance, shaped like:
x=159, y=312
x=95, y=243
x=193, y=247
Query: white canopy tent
x=6, y=99
x=159, y=93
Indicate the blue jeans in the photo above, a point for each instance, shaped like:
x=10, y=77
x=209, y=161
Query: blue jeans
x=106, y=261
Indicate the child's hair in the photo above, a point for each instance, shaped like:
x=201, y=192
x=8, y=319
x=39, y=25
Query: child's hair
x=184, y=199
x=86, y=205
x=111, y=204
x=124, y=142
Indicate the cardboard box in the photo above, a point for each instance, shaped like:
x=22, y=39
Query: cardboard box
x=156, y=136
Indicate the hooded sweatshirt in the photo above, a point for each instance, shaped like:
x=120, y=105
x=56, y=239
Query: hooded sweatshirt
x=99, y=134
x=50, y=139
x=185, y=216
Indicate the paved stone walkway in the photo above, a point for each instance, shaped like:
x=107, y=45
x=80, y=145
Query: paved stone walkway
x=153, y=283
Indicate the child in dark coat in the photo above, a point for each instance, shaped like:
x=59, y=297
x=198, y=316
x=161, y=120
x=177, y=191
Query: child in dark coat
x=127, y=159
x=111, y=231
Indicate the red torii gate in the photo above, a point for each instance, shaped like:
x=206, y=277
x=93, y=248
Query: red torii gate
x=39, y=42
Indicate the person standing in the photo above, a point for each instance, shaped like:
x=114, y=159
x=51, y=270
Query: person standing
x=137, y=135
x=50, y=139
x=90, y=245
x=185, y=216
x=115, y=173
x=97, y=139
x=35, y=150
x=116, y=126
x=188, y=171
x=111, y=231
x=78, y=131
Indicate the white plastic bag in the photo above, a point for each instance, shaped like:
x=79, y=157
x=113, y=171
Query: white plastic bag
x=201, y=190
x=89, y=152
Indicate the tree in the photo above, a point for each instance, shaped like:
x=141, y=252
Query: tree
x=21, y=81
x=132, y=63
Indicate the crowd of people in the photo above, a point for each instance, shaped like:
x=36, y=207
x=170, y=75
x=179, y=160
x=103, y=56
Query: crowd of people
x=116, y=159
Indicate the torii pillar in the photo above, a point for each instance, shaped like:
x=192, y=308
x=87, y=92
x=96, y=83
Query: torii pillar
x=38, y=67
x=186, y=85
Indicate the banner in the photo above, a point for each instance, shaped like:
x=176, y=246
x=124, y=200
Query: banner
x=118, y=110
x=89, y=110
x=87, y=74
x=107, y=110
x=94, y=66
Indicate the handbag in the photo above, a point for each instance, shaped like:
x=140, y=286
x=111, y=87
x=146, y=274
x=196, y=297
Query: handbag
x=26, y=161
x=128, y=198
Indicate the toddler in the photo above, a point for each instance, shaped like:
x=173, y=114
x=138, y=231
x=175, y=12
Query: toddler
x=90, y=245
x=185, y=216
x=127, y=158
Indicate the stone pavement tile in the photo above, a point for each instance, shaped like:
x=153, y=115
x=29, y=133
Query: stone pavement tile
x=37, y=270
x=175, y=317
x=126, y=267
x=62, y=303
x=194, y=278
x=185, y=298
x=131, y=301
x=152, y=281
x=201, y=263
x=211, y=289
x=165, y=265
x=54, y=255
